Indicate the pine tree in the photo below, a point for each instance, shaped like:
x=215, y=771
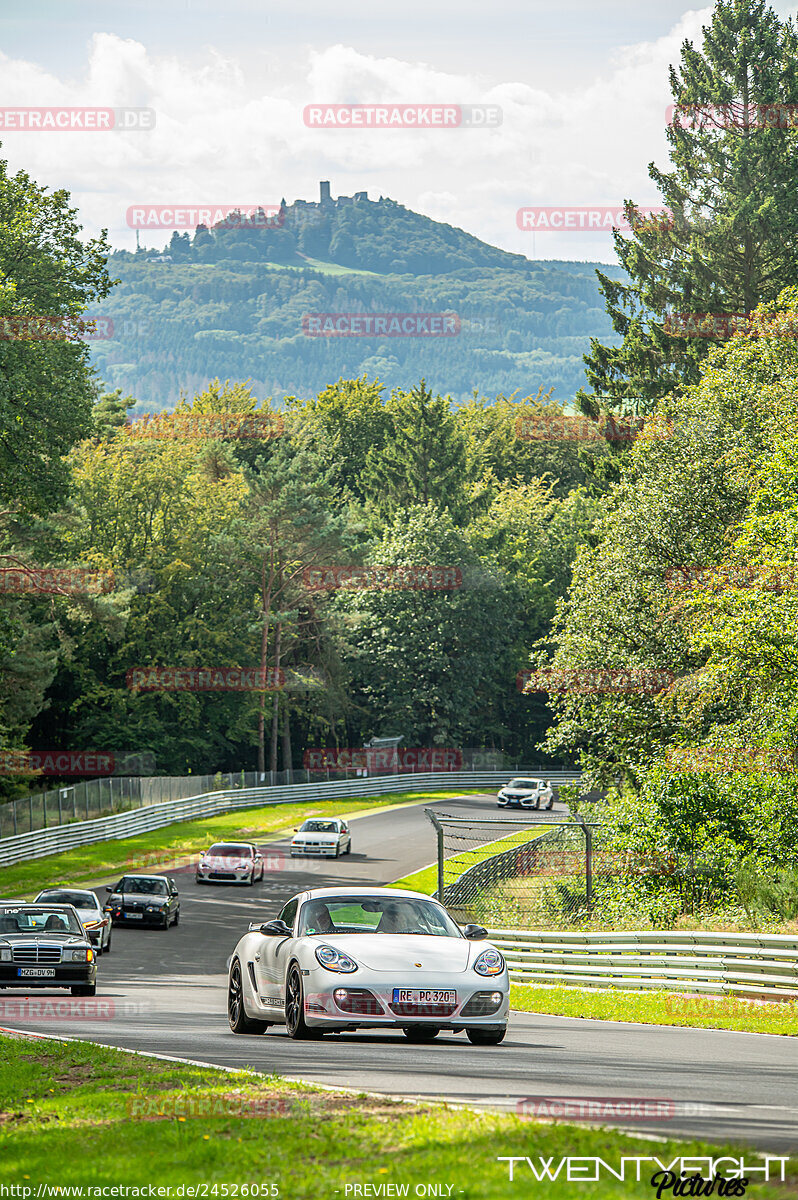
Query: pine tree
x=732, y=239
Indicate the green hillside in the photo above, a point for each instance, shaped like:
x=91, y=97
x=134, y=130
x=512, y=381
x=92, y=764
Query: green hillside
x=231, y=303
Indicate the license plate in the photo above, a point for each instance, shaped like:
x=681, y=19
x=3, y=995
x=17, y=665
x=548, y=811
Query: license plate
x=135, y=916
x=423, y=996
x=36, y=972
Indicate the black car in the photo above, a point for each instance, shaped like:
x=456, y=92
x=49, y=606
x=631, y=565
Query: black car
x=144, y=900
x=45, y=946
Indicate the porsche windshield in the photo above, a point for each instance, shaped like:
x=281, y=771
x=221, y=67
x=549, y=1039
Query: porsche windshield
x=38, y=920
x=375, y=914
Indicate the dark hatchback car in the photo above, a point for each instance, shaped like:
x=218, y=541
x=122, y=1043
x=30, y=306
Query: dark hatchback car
x=45, y=946
x=144, y=900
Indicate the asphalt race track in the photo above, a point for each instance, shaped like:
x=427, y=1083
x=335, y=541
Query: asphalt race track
x=165, y=992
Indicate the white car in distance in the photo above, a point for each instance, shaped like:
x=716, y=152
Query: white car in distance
x=526, y=793
x=338, y=959
x=322, y=836
x=230, y=862
x=93, y=918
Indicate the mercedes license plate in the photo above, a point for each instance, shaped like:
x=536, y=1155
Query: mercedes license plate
x=36, y=972
x=423, y=996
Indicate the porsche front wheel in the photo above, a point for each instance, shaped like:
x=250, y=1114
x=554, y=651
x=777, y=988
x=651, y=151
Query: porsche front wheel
x=295, y=1023
x=236, y=1013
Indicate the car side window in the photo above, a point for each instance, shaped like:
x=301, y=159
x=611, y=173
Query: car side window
x=288, y=914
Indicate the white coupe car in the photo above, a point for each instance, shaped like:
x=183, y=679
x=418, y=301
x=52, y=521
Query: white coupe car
x=230, y=862
x=93, y=918
x=322, y=836
x=339, y=959
x=526, y=793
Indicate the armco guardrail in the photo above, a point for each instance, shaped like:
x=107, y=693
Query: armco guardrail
x=757, y=964
x=122, y=825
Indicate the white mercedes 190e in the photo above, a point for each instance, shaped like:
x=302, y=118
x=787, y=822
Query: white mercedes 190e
x=338, y=959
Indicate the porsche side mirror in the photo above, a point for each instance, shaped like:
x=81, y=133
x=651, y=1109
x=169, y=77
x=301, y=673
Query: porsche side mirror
x=276, y=929
x=475, y=933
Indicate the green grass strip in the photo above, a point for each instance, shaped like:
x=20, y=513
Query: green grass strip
x=77, y=1115
x=660, y=1008
x=163, y=848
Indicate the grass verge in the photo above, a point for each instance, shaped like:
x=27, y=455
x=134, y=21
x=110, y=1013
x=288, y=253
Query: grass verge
x=77, y=1115
x=660, y=1008
x=165, y=848
x=426, y=880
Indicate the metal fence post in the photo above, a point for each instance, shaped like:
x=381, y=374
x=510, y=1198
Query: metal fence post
x=439, y=831
x=588, y=832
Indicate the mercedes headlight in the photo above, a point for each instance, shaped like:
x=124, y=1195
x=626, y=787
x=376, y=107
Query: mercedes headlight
x=335, y=960
x=490, y=962
x=5, y=954
x=82, y=955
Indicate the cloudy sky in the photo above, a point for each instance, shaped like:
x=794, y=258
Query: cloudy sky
x=582, y=86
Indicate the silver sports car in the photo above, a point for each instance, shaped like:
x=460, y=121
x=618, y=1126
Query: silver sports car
x=338, y=959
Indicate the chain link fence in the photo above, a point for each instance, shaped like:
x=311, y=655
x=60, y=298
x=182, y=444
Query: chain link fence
x=536, y=873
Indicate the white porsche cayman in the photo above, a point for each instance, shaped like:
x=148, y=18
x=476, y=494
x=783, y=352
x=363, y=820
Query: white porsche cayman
x=338, y=959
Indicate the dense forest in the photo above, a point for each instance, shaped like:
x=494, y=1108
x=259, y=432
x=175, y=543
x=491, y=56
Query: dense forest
x=233, y=300
x=671, y=552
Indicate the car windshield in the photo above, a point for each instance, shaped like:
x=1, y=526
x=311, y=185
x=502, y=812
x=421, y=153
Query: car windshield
x=524, y=783
x=37, y=920
x=223, y=850
x=319, y=827
x=145, y=887
x=78, y=899
x=375, y=914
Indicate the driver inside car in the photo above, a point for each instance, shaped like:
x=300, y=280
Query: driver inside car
x=318, y=919
x=396, y=918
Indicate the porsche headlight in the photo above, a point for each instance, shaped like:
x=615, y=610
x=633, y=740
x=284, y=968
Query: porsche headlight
x=490, y=962
x=335, y=960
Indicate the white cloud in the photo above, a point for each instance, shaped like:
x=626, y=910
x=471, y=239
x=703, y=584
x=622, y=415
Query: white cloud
x=224, y=135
